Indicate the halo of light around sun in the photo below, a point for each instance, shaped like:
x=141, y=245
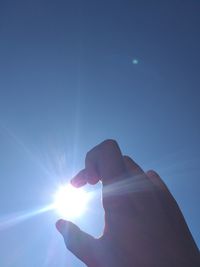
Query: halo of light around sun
x=70, y=202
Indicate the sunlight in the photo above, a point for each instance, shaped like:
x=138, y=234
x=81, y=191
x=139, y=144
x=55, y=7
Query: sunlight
x=12, y=219
x=70, y=202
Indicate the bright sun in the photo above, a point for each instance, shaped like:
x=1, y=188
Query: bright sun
x=70, y=202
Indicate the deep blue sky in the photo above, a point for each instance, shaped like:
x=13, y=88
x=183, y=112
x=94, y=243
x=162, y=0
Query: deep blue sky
x=67, y=82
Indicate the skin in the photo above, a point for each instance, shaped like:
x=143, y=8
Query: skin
x=143, y=225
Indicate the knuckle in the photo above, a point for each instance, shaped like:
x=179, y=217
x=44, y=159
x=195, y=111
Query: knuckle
x=110, y=143
x=101, y=149
x=152, y=173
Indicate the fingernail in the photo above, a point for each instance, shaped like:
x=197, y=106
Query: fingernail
x=78, y=183
x=73, y=182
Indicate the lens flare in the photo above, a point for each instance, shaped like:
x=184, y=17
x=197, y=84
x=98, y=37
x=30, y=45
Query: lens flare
x=70, y=202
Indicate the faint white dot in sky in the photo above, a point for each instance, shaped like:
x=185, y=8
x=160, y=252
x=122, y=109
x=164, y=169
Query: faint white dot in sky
x=135, y=61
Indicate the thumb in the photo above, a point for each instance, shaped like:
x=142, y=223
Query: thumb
x=81, y=244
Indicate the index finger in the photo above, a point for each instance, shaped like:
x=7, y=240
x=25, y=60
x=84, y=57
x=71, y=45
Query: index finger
x=104, y=162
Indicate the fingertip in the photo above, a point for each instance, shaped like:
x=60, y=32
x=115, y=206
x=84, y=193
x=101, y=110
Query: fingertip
x=79, y=179
x=152, y=173
x=156, y=179
x=60, y=225
x=78, y=183
x=132, y=166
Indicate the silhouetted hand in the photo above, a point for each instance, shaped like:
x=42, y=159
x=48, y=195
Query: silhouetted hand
x=143, y=223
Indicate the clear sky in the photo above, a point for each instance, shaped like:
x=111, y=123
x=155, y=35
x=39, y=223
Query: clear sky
x=73, y=73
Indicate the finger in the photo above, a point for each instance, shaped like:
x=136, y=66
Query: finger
x=166, y=199
x=91, y=170
x=138, y=179
x=80, y=179
x=132, y=167
x=157, y=181
x=169, y=204
x=162, y=189
x=104, y=162
x=107, y=161
x=81, y=244
x=87, y=175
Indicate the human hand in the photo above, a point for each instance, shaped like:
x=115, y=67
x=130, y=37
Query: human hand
x=143, y=223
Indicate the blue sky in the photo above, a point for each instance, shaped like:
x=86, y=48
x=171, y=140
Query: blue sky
x=67, y=82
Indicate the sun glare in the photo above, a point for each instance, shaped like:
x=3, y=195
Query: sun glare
x=70, y=202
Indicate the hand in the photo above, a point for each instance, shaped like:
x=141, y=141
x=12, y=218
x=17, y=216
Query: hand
x=143, y=223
